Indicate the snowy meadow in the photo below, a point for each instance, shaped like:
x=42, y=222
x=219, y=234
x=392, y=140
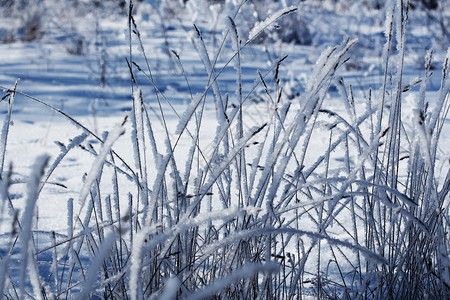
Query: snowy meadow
x=224, y=149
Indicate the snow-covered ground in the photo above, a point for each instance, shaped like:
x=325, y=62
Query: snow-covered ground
x=94, y=88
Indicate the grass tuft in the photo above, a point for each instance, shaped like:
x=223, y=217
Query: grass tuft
x=260, y=211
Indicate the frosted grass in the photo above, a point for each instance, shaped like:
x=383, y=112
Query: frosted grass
x=308, y=201
x=269, y=21
x=117, y=131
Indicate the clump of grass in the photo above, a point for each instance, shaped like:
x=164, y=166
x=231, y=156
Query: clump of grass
x=258, y=212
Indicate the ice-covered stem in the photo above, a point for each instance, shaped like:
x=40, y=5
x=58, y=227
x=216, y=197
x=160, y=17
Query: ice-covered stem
x=64, y=150
x=434, y=126
x=69, y=249
x=5, y=182
x=4, y=264
x=5, y=261
x=324, y=70
x=33, y=185
x=5, y=129
x=151, y=136
x=268, y=22
x=139, y=241
x=236, y=47
x=388, y=32
x=201, y=48
x=420, y=120
x=241, y=162
x=54, y=267
x=115, y=194
x=138, y=141
x=104, y=251
x=115, y=133
x=220, y=103
x=401, y=17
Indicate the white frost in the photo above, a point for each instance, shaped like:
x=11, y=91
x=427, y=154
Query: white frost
x=117, y=131
x=267, y=23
